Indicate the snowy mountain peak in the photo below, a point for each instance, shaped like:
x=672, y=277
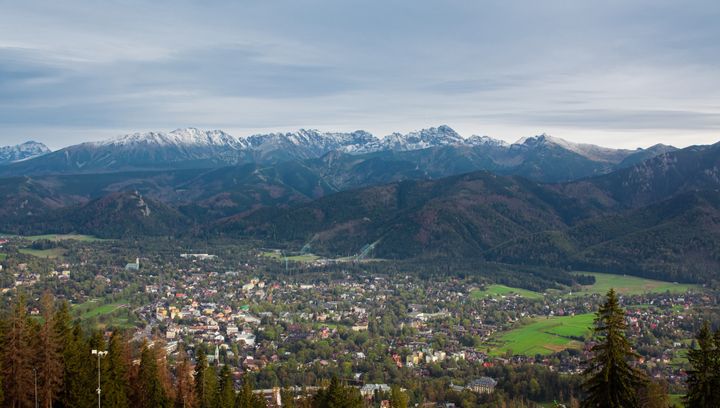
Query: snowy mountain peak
x=476, y=140
x=440, y=136
x=177, y=137
x=590, y=151
x=23, y=151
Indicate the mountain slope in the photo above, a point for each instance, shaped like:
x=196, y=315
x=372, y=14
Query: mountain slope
x=676, y=239
x=459, y=215
x=116, y=215
x=691, y=169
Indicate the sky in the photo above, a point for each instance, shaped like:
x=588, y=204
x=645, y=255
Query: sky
x=614, y=73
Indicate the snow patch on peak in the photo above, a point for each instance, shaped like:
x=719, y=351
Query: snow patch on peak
x=178, y=137
x=590, y=151
x=440, y=136
x=23, y=151
x=476, y=140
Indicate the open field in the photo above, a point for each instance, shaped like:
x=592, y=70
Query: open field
x=94, y=308
x=62, y=237
x=502, y=290
x=43, y=253
x=292, y=258
x=631, y=285
x=2, y=257
x=545, y=335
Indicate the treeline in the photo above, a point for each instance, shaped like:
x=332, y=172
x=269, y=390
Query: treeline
x=49, y=361
x=535, y=278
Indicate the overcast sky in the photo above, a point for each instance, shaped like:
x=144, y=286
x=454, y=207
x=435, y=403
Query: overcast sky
x=615, y=73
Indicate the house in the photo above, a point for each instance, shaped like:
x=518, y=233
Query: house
x=133, y=266
x=368, y=390
x=483, y=385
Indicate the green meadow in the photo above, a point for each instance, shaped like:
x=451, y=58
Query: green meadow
x=545, y=335
x=43, y=253
x=63, y=237
x=631, y=285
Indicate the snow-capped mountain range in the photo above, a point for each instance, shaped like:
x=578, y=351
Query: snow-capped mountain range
x=24, y=151
x=195, y=148
x=317, y=143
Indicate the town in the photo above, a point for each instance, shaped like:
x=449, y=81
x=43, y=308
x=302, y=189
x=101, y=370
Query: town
x=294, y=324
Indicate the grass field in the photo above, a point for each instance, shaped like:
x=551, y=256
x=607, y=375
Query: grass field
x=631, y=285
x=62, y=237
x=545, y=335
x=2, y=257
x=107, y=314
x=94, y=308
x=43, y=253
x=292, y=258
x=502, y=290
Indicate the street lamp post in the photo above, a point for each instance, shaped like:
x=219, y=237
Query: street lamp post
x=99, y=355
x=36, y=396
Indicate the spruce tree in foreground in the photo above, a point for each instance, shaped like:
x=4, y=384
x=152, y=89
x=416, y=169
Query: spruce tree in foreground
x=247, y=399
x=338, y=395
x=206, y=383
x=48, y=357
x=17, y=368
x=226, y=393
x=114, y=379
x=611, y=380
x=704, y=379
x=152, y=392
x=184, y=382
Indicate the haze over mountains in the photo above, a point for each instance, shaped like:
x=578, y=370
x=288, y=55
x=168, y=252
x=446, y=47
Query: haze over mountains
x=432, y=193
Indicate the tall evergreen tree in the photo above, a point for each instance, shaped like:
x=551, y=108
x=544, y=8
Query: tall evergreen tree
x=338, y=395
x=152, y=391
x=226, y=394
x=398, y=399
x=611, y=380
x=184, y=381
x=205, y=381
x=246, y=398
x=48, y=360
x=17, y=364
x=79, y=379
x=704, y=378
x=115, y=387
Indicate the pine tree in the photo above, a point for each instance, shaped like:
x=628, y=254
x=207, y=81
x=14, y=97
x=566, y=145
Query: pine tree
x=18, y=380
x=611, y=381
x=226, y=394
x=246, y=398
x=398, y=399
x=152, y=392
x=205, y=381
x=184, y=380
x=115, y=377
x=338, y=395
x=704, y=379
x=48, y=360
x=287, y=396
x=79, y=378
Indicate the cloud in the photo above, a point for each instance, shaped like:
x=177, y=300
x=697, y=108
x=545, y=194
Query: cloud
x=619, y=67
